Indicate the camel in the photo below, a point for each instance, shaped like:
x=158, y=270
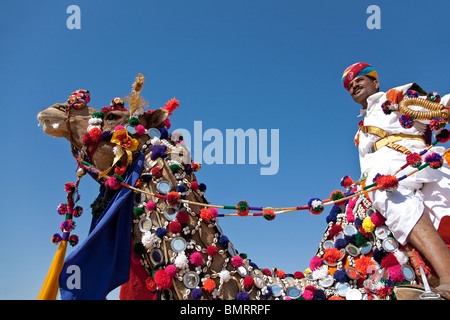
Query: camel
x=179, y=250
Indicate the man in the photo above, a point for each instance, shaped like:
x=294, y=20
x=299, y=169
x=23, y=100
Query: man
x=421, y=204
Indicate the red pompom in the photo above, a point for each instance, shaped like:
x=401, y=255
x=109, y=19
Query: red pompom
x=194, y=185
x=267, y=272
x=173, y=198
x=335, y=229
x=162, y=280
x=174, y=227
x=389, y=260
x=298, y=275
x=205, y=214
x=377, y=219
x=212, y=250
x=156, y=172
x=196, y=259
x=95, y=134
x=248, y=282
x=389, y=183
x=182, y=217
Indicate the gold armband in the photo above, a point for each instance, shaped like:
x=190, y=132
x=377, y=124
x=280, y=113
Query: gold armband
x=436, y=110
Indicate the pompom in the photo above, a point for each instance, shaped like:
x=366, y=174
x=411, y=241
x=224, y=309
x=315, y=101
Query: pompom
x=214, y=212
x=434, y=97
x=196, y=259
x=269, y=215
x=389, y=260
x=377, y=219
x=150, y=206
x=335, y=230
x=368, y=225
x=406, y=121
x=173, y=198
x=315, y=206
x=388, y=182
x=95, y=134
x=340, y=275
x=149, y=240
x=224, y=276
x=315, y=263
x=209, y=285
x=196, y=293
x=223, y=240
x=162, y=280
x=194, y=185
x=205, y=214
x=340, y=243
x=150, y=284
x=171, y=270
x=243, y=296
x=298, y=275
x=396, y=274
x=182, y=217
x=437, y=124
x=140, y=130
x=385, y=106
x=412, y=93
x=56, y=238
x=362, y=264
x=62, y=209
x=181, y=261
x=346, y=182
x=434, y=160
x=414, y=160
x=73, y=240
x=281, y=274
x=336, y=196
x=248, y=282
x=161, y=232
x=158, y=152
x=174, y=226
x=237, y=261
x=332, y=216
x=242, y=208
x=308, y=295
x=212, y=250
x=138, y=211
x=156, y=172
x=107, y=135
x=443, y=136
x=332, y=255
x=319, y=295
x=267, y=272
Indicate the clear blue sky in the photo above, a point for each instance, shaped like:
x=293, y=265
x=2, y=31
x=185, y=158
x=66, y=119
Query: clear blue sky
x=232, y=64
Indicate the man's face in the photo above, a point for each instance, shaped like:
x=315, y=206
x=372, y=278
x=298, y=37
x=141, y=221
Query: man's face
x=361, y=88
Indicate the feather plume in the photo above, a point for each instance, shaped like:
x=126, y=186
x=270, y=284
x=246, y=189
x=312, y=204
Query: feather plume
x=134, y=99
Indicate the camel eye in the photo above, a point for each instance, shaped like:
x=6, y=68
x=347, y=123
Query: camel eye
x=111, y=117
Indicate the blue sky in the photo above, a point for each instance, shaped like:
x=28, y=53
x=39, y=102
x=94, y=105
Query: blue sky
x=231, y=64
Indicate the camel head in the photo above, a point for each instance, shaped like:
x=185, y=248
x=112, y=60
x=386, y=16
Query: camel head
x=90, y=130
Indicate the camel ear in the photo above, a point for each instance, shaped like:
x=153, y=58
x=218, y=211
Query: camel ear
x=156, y=118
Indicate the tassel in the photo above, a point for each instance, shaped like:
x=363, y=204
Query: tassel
x=49, y=288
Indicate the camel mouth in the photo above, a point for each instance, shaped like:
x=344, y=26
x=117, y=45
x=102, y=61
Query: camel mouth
x=52, y=124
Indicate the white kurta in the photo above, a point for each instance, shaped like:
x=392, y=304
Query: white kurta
x=426, y=191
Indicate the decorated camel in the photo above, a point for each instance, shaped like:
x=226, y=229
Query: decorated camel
x=171, y=245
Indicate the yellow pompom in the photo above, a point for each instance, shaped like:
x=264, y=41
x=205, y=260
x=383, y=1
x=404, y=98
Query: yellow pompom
x=368, y=225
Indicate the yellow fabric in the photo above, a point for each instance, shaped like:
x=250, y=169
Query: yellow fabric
x=50, y=287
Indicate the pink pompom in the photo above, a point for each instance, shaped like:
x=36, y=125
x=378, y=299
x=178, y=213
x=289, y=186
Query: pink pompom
x=377, y=219
x=396, y=274
x=196, y=259
x=214, y=212
x=315, y=263
x=237, y=261
x=119, y=128
x=308, y=295
x=140, y=130
x=171, y=270
x=151, y=206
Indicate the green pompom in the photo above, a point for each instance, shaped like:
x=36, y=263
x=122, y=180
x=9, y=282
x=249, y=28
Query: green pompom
x=133, y=121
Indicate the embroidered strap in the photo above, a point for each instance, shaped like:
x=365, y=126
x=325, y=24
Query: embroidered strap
x=389, y=140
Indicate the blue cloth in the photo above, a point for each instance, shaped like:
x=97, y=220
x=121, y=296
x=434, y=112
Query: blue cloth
x=102, y=262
